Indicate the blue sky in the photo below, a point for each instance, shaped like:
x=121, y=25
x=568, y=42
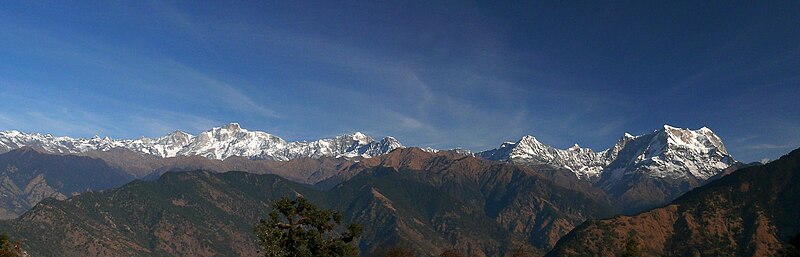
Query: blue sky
x=445, y=74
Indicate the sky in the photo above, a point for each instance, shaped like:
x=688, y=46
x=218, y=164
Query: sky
x=440, y=74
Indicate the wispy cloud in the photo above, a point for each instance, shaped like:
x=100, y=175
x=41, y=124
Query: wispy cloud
x=143, y=70
x=436, y=112
x=162, y=122
x=184, y=22
x=194, y=83
x=771, y=146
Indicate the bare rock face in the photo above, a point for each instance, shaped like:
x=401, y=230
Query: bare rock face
x=750, y=212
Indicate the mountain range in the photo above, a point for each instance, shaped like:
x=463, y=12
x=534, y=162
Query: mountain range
x=429, y=202
x=638, y=172
x=200, y=195
x=217, y=143
x=668, y=152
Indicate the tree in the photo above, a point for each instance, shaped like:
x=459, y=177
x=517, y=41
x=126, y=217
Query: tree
x=9, y=248
x=631, y=248
x=297, y=228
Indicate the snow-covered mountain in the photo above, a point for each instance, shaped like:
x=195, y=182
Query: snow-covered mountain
x=584, y=162
x=668, y=152
x=673, y=153
x=216, y=143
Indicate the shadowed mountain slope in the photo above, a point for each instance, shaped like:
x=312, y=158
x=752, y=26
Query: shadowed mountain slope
x=27, y=176
x=425, y=201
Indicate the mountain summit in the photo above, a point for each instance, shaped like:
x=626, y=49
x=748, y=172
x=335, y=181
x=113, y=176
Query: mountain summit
x=668, y=152
x=638, y=171
x=672, y=152
x=584, y=162
x=217, y=143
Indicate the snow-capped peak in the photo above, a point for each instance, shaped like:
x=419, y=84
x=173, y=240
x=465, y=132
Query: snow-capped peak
x=216, y=143
x=667, y=152
x=360, y=137
x=702, y=138
x=676, y=152
x=672, y=152
x=233, y=126
x=529, y=140
x=176, y=136
x=584, y=162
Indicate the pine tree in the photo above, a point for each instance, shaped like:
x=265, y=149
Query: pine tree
x=297, y=228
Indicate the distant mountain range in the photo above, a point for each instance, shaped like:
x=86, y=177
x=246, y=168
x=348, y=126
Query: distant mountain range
x=217, y=143
x=666, y=153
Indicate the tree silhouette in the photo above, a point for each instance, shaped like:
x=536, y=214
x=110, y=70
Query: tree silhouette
x=297, y=228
